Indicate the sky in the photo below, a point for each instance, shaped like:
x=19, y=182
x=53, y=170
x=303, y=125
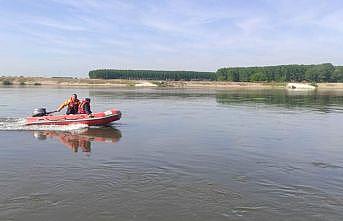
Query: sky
x=72, y=37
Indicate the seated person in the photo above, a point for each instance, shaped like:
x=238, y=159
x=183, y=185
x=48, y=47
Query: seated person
x=72, y=103
x=85, y=107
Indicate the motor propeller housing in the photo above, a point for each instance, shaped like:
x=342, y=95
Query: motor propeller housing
x=39, y=112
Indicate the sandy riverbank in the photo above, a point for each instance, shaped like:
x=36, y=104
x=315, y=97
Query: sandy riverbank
x=60, y=81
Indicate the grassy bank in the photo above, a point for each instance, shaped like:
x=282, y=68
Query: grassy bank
x=41, y=81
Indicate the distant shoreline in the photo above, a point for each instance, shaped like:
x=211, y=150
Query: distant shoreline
x=70, y=82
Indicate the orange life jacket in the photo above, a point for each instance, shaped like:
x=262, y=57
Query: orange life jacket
x=81, y=109
x=73, y=103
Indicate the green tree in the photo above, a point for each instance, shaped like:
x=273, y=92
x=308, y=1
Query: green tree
x=337, y=75
x=319, y=73
x=258, y=76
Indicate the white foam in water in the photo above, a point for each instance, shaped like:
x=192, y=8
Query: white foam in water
x=19, y=124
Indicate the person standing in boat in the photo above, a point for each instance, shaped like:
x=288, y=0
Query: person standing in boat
x=85, y=106
x=72, y=105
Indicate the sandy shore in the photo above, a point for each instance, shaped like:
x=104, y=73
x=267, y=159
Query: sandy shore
x=58, y=81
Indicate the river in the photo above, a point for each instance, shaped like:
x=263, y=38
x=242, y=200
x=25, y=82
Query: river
x=176, y=154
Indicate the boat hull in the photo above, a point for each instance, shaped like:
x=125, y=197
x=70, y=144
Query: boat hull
x=96, y=119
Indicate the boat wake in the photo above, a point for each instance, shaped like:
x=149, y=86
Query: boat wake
x=8, y=124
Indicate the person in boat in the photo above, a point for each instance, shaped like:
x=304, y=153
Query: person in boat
x=85, y=106
x=72, y=105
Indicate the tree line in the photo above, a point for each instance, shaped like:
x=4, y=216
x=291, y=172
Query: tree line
x=283, y=73
x=280, y=73
x=151, y=75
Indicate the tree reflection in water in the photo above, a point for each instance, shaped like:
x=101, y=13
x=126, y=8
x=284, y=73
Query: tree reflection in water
x=81, y=138
x=322, y=101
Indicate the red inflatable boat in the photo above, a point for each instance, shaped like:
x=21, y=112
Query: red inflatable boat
x=96, y=119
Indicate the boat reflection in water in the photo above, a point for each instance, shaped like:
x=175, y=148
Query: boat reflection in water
x=81, y=138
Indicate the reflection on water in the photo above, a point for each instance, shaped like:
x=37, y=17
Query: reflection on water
x=134, y=94
x=324, y=101
x=81, y=138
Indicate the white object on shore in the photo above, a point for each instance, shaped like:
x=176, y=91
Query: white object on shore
x=145, y=84
x=300, y=86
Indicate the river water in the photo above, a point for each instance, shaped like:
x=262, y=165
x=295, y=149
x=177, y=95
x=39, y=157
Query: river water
x=175, y=155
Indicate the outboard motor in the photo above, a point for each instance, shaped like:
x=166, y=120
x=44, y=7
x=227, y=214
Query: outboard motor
x=39, y=112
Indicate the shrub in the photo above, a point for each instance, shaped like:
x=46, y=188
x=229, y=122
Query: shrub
x=7, y=82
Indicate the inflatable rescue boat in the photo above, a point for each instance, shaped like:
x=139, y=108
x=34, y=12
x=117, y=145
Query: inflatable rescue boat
x=96, y=119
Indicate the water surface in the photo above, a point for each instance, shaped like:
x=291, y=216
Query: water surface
x=175, y=155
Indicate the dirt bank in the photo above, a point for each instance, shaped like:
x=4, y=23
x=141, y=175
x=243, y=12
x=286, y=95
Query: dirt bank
x=65, y=81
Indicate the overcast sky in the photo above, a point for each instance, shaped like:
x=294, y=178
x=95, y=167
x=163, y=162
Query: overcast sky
x=71, y=37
